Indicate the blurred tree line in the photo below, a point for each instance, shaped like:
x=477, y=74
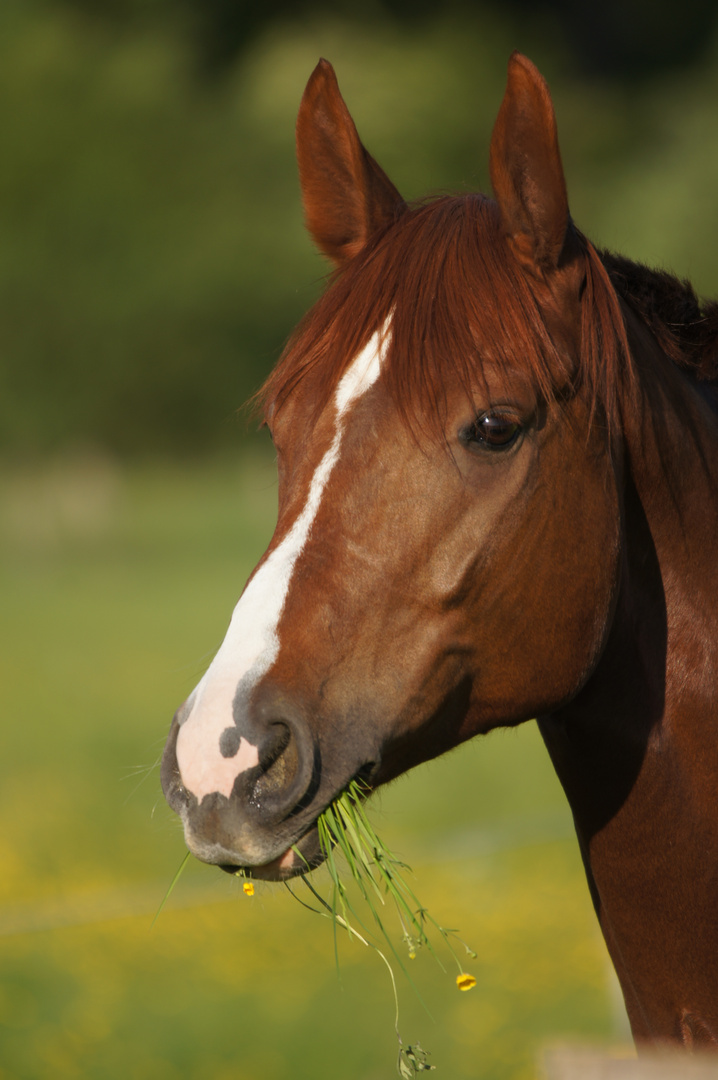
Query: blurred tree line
x=152, y=255
x=627, y=39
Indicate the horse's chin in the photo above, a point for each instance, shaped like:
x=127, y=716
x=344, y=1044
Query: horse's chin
x=300, y=858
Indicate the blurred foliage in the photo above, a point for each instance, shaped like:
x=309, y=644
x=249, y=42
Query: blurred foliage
x=152, y=255
x=115, y=583
x=626, y=39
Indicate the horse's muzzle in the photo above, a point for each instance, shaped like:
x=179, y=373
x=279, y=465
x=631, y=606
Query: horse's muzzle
x=271, y=805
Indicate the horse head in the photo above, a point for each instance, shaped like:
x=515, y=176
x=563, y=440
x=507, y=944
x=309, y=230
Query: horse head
x=448, y=545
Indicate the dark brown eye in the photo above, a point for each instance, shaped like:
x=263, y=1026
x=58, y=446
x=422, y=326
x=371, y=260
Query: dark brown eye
x=494, y=431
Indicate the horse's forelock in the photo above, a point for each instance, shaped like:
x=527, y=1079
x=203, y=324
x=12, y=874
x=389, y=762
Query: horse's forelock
x=456, y=300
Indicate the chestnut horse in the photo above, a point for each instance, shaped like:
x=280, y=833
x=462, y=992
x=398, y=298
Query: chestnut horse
x=498, y=500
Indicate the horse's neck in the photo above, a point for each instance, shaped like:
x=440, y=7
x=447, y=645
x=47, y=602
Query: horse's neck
x=637, y=750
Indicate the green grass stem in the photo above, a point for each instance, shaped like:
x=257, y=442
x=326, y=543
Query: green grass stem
x=173, y=882
x=344, y=828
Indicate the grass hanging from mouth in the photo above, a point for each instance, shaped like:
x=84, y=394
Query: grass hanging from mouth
x=344, y=829
x=173, y=882
x=380, y=877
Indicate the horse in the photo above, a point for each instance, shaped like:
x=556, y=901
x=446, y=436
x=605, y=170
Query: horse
x=497, y=452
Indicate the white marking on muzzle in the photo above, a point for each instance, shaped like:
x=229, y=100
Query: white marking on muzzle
x=251, y=644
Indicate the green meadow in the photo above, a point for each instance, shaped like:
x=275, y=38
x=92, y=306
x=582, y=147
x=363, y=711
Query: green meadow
x=117, y=586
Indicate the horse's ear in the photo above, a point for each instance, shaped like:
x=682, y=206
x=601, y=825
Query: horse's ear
x=526, y=171
x=347, y=197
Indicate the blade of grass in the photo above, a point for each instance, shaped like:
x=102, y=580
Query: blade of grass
x=173, y=882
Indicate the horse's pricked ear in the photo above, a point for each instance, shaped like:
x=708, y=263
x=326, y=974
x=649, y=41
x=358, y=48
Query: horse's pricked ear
x=526, y=171
x=347, y=197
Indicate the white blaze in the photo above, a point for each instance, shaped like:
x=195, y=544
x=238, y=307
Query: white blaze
x=251, y=644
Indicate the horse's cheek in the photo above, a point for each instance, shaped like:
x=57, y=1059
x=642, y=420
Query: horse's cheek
x=581, y=591
x=542, y=607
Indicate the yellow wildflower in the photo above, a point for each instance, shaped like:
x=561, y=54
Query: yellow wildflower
x=248, y=888
x=465, y=981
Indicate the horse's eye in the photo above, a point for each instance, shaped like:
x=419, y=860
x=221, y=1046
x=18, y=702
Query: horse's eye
x=494, y=431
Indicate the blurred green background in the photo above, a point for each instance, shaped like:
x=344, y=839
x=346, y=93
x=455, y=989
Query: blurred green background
x=152, y=262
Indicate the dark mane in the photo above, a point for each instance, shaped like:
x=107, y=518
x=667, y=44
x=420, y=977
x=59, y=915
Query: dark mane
x=456, y=299
x=685, y=329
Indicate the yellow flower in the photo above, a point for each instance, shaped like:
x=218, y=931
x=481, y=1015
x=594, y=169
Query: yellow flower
x=248, y=888
x=464, y=981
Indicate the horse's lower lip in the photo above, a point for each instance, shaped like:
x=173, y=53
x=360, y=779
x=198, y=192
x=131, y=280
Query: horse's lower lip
x=276, y=870
x=285, y=866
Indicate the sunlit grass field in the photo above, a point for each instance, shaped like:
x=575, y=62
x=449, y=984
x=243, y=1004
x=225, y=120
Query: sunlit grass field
x=117, y=586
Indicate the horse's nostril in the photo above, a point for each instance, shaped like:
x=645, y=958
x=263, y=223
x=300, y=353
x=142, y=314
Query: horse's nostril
x=279, y=774
x=286, y=764
x=279, y=762
x=275, y=743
